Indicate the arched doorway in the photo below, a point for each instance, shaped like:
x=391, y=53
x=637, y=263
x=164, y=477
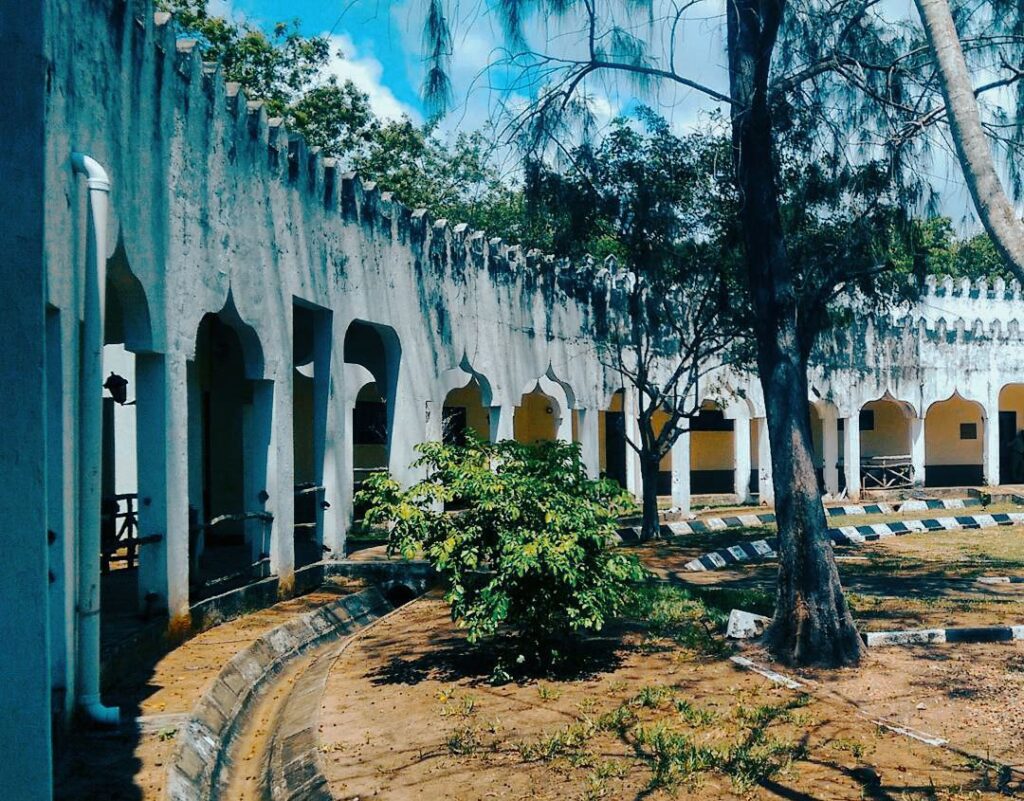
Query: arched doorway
x=712, y=452
x=885, y=444
x=536, y=417
x=463, y=411
x=611, y=429
x=377, y=349
x=311, y=386
x=954, y=439
x=132, y=565
x=230, y=413
x=1011, y=434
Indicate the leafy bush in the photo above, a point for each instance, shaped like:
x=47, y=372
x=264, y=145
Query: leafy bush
x=527, y=547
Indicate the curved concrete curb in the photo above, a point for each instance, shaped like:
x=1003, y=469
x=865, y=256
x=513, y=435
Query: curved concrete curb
x=293, y=769
x=203, y=741
x=973, y=634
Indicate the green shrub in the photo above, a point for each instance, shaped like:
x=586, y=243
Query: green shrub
x=527, y=550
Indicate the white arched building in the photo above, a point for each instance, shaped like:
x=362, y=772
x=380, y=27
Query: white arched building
x=285, y=329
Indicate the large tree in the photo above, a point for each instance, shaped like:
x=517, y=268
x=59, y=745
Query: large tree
x=1005, y=31
x=822, y=89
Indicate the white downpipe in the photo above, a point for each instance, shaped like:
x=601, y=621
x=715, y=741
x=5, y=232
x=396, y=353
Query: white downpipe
x=90, y=451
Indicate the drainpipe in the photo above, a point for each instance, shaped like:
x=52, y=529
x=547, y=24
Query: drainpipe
x=90, y=449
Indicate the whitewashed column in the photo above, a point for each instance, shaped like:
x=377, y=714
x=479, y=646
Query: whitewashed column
x=681, y=474
x=634, y=479
x=503, y=422
x=163, y=460
x=917, y=449
x=990, y=441
x=408, y=429
x=590, y=450
x=851, y=455
x=563, y=423
x=741, y=457
x=830, y=450
x=269, y=475
x=337, y=468
x=433, y=421
x=765, y=480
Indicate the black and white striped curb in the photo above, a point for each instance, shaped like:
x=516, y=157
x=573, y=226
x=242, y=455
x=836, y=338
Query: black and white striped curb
x=705, y=525
x=977, y=634
x=913, y=505
x=761, y=550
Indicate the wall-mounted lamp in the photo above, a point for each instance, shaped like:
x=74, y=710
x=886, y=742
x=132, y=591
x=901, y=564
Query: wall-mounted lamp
x=117, y=386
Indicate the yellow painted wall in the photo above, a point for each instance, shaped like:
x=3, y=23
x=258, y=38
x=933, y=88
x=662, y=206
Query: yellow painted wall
x=942, y=443
x=891, y=435
x=711, y=450
x=532, y=422
x=478, y=417
x=660, y=418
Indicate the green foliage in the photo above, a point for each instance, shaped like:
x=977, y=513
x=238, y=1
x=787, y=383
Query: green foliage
x=527, y=549
x=942, y=252
x=285, y=70
x=456, y=179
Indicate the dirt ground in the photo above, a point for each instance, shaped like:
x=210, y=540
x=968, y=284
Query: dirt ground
x=131, y=763
x=409, y=713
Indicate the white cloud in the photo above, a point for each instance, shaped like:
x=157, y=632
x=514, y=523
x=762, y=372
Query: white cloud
x=366, y=73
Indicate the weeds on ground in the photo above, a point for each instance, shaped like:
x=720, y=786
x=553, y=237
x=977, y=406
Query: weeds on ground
x=679, y=614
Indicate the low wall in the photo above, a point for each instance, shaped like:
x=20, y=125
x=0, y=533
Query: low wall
x=203, y=741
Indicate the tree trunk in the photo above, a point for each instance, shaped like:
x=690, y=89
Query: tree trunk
x=972, y=146
x=812, y=625
x=649, y=468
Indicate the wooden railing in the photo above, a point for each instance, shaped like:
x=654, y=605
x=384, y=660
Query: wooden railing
x=119, y=529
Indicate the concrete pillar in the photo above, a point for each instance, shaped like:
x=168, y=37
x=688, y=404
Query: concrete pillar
x=917, y=449
x=741, y=458
x=337, y=466
x=851, y=455
x=322, y=414
x=681, y=474
x=563, y=423
x=634, y=479
x=765, y=485
x=194, y=457
x=830, y=450
x=162, y=395
x=990, y=442
x=280, y=480
x=590, y=448
x=408, y=429
x=433, y=427
x=502, y=422
x=269, y=479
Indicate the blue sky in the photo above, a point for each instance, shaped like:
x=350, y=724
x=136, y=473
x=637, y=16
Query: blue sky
x=382, y=45
x=376, y=45
x=381, y=42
